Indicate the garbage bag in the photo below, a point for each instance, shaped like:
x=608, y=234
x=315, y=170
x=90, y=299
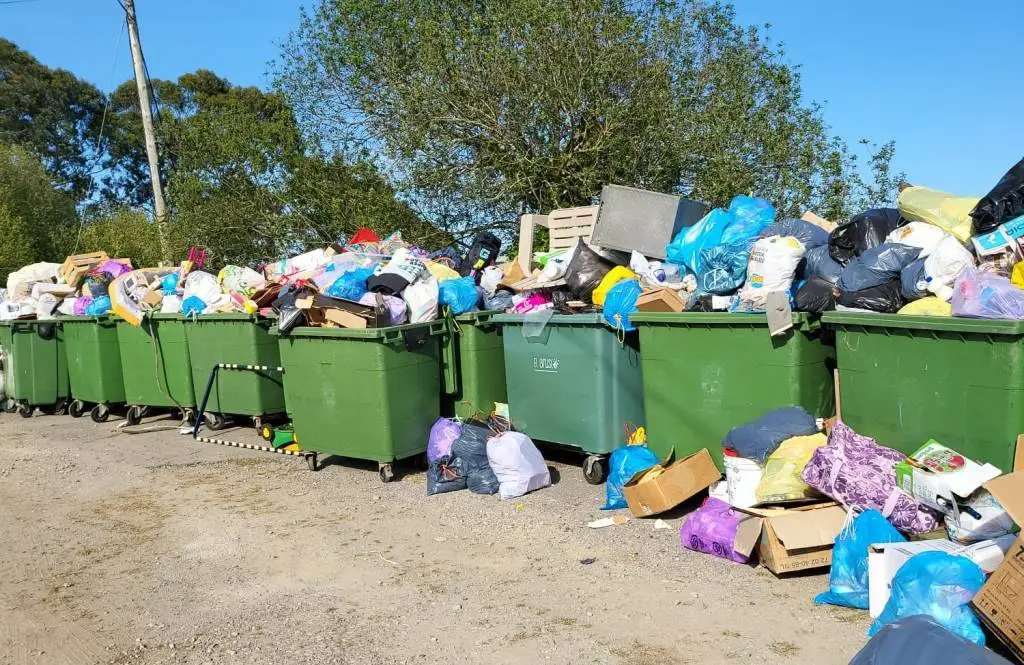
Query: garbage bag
x=781, y=479
x=443, y=434
x=398, y=311
x=864, y=231
x=459, y=295
x=857, y=472
x=446, y=474
x=350, y=285
x=624, y=463
x=980, y=295
x=759, y=438
x=239, y=279
x=883, y=298
x=585, y=271
x=945, y=263
x=685, y=248
x=817, y=295
x=809, y=235
x=939, y=585
x=946, y=211
x=772, y=265
x=611, y=278
x=749, y=217
x=421, y=297
x=876, y=266
x=620, y=303
x=848, y=578
x=1004, y=202
x=914, y=281
x=169, y=284
x=97, y=285
x=471, y=448
x=202, y=285
x=113, y=268
x=712, y=529
x=917, y=234
x=724, y=268
x=500, y=301
x=992, y=520
x=919, y=640
x=819, y=263
x=490, y=278
x=930, y=306
x=482, y=253
x=192, y=306
x=517, y=464
x=82, y=305
x=98, y=306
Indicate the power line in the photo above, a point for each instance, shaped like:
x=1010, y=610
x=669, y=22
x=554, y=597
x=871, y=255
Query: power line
x=15, y=2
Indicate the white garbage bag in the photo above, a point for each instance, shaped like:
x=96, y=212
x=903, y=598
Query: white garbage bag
x=421, y=296
x=918, y=234
x=517, y=464
x=772, y=263
x=202, y=285
x=944, y=265
x=19, y=282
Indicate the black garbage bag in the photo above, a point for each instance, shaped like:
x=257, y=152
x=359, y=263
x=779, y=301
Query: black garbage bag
x=884, y=298
x=759, y=438
x=877, y=266
x=471, y=449
x=819, y=263
x=446, y=474
x=482, y=253
x=585, y=272
x=817, y=295
x=701, y=303
x=912, y=281
x=1003, y=203
x=811, y=235
x=918, y=640
x=864, y=231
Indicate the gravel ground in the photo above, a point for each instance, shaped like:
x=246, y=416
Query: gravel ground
x=156, y=549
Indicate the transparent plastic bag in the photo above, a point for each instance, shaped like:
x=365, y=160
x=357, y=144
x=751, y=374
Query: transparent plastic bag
x=781, y=480
x=848, y=577
x=983, y=296
x=946, y=211
x=750, y=216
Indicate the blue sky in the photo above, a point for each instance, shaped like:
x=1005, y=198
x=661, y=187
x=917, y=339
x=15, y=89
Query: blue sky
x=939, y=77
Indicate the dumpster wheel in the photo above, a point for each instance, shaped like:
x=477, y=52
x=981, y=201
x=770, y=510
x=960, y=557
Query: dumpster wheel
x=387, y=474
x=594, y=469
x=100, y=413
x=10, y=406
x=215, y=421
x=311, y=462
x=76, y=409
x=134, y=415
x=24, y=410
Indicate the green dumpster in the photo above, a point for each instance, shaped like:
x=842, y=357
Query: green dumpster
x=906, y=379
x=369, y=394
x=707, y=372
x=474, y=365
x=35, y=366
x=236, y=339
x=94, y=365
x=574, y=384
x=156, y=366
x=6, y=402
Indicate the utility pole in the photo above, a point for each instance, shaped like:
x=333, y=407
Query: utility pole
x=145, y=109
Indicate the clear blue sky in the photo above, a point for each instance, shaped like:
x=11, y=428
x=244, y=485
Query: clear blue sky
x=939, y=77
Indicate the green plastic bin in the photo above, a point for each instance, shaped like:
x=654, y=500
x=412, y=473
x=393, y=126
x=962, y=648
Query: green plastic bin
x=474, y=365
x=906, y=379
x=575, y=384
x=156, y=365
x=35, y=366
x=94, y=365
x=363, y=394
x=5, y=346
x=707, y=372
x=240, y=339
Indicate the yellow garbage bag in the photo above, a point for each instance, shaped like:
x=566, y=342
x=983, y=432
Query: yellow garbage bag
x=930, y=306
x=614, y=276
x=441, y=271
x=948, y=212
x=781, y=480
x=1017, y=276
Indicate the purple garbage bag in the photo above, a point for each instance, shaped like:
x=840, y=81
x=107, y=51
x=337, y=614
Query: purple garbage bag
x=712, y=529
x=442, y=436
x=986, y=296
x=397, y=309
x=113, y=268
x=82, y=304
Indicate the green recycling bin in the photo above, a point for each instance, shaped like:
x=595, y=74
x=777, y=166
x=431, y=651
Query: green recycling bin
x=94, y=365
x=156, y=365
x=906, y=379
x=575, y=383
x=6, y=404
x=35, y=366
x=707, y=372
x=237, y=339
x=370, y=394
x=474, y=365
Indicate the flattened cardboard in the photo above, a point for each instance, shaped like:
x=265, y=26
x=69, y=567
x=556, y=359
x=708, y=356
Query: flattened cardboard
x=1000, y=603
x=791, y=539
x=1008, y=490
x=660, y=300
x=1018, y=454
x=680, y=481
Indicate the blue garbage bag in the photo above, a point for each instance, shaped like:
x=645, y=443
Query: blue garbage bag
x=819, y=263
x=876, y=266
x=725, y=268
x=350, y=285
x=920, y=641
x=848, y=579
x=758, y=439
x=624, y=463
x=939, y=585
x=620, y=302
x=750, y=216
x=911, y=279
x=169, y=284
x=684, y=250
x=809, y=235
x=193, y=306
x=460, y=295
x=98, y=307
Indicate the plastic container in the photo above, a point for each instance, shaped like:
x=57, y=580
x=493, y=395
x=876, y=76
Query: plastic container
x=742, y=476
x=156, y=365
x=35, y=366
x=94, y=365
x=575, y=384
x=706, y=372
x=240, y=339
x=364, y=394
x=906, y=379
x=474, y=366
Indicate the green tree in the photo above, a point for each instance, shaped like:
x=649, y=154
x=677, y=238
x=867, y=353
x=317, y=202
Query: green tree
x=121, y=232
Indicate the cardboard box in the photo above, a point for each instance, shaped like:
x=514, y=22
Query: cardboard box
x=789, y=540
x=680, y=481
x=660, y=300
x=323, y=310
x=942, y=478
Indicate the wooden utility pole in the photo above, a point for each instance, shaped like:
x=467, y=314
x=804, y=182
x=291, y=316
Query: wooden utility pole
x=145, y=110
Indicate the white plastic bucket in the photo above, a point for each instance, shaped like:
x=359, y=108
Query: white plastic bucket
x=742, y=476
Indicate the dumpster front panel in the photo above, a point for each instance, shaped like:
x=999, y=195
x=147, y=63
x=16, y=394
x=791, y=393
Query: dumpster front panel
x=361, y=396
x=479, y=366
x=958, y=381
x=575, y=384
x=155, y=362
x=236, y=339
x=38, y=372
x=6, y=342
x=94, y=360
x=707, y=373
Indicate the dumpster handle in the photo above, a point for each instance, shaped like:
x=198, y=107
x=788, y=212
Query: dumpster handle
x=47, y=331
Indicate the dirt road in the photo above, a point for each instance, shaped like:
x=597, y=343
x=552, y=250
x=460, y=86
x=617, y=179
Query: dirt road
x=155, y=549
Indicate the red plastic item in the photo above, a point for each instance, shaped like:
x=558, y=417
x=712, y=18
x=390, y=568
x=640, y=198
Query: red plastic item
x=364, y=235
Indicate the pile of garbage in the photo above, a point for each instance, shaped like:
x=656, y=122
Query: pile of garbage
x=77, y=287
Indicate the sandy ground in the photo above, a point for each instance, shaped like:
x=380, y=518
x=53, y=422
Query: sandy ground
x=156, y=549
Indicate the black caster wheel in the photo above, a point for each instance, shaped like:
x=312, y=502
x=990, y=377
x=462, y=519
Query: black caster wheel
x=76, y=409
x=60, y=408
x=100, y=413
x=134, y=416
x=594, y=469
x=311, y=462
x=386, y=473
x=189, y=416
x=10, y=406
x=215, y=422
x=266, y=433
x=24, y=410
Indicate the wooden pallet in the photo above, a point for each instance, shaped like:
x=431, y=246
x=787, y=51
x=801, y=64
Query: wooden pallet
x=75, y=268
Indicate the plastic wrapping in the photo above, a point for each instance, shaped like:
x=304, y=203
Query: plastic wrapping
x=809, y=235
x=585, y=271
x=883, y=298
x=983, y=296
x=819, y=263
x=620, y=303
x=239, y=279
x=945, y=211
x=864, y=231
x=781, y=480
x=712, y=529
x=1004, y=202
x=459, y=295
x=817, y=295
x=724, y=268
x=848, y=577
x=623, y=464
x=876, y=266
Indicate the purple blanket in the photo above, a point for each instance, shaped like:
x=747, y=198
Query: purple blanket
x=858, y=473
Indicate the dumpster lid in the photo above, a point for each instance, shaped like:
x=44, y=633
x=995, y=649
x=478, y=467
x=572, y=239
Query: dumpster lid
x=937, y=323
x=229, y=316
x=721, y=318
x=478, y=317
x=556, y=319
